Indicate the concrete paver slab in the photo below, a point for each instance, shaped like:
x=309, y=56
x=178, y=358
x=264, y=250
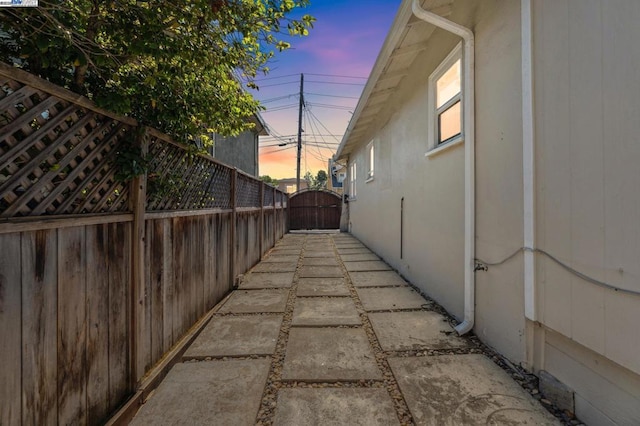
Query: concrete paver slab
x=257, y=280
x=320, y=261
x=236, y=336
x=361, y=250
x=314, y=254
x=322, y=287
x=347, y=246
x=390, y=298
x=281, y=258
x=320, y=271
x=465, y=390
x=358, y=257
x=371, y=265
x=319, y=354
x=322, y=311
x=275, y=267
x=398, y=331
x=334, y=407
x=376, y=279
x=256, y=301
x=318, y=248
x=197, y=393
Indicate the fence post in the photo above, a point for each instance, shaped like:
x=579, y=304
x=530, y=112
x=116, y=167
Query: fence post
x=234, y=206
x=261, y=219
x=275, y=217
x=138, y=201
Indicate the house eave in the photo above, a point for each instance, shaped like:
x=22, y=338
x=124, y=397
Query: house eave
x=400, y=51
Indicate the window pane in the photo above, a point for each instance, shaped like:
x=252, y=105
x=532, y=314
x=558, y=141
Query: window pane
x=450, y=123
x=448, y=85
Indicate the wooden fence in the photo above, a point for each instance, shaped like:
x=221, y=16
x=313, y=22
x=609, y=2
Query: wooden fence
x=99, y=279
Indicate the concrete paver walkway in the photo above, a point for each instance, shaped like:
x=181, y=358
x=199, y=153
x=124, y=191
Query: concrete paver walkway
x=323, y=332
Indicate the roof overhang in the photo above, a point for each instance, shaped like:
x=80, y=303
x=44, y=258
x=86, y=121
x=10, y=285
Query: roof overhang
x=261, y=128
x=407, y=37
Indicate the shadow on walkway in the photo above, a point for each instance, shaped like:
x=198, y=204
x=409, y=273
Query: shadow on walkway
x=323, y=332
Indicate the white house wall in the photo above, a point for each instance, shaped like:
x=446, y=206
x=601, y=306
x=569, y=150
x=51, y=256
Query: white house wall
x=587, y=97
x=433, y=187
x=499, y=225
x=433, y=191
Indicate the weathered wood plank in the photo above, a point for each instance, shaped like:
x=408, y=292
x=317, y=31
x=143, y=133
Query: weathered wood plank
x=39, y=304
x=56, y=222
x=168, y=290
x=198, y=254
x=10, y=331
x=119, y=311
x=223, y=253
x=179, y=261
x=98, y=262
x=155, y=272
x=210, y=263
x=72, y=326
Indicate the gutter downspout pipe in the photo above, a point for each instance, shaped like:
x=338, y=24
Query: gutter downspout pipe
x=468, y=96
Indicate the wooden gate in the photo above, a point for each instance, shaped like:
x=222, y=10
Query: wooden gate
x=315, y=209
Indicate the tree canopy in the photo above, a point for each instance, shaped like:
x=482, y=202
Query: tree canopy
x=268, y=179
x=174, y=65
x=319, y=181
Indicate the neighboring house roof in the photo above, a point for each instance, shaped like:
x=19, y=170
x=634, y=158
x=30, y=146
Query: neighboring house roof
x=407, y=37
x=261, y=127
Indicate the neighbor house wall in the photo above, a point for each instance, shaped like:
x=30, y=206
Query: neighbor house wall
x=238, y=151
x=587, y=62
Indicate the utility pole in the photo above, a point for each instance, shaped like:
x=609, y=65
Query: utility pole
x=300, y=130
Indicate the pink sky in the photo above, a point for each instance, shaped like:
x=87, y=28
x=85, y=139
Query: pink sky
x=345, y=41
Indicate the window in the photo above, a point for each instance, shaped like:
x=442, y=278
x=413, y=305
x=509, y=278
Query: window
x=352, y=180
x=445, y=101
x=371, y=161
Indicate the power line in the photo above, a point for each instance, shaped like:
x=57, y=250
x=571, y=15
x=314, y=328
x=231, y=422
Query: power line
x=275, y=78
x=323, y=126
x=280, y=84
x=333, y=82
x=339, y=76
x=333, y=96
x=265, y=101
x=330, y=106
x=278, y=108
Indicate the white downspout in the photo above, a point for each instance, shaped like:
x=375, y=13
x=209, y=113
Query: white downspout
x=528, y=161
x=468, y=95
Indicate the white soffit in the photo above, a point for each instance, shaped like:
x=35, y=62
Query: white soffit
x=407, y=37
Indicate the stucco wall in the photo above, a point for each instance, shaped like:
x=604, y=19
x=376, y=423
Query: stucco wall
x=587, y=62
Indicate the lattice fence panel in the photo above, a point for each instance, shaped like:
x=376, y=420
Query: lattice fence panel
x=179, y=180
x=268, y=195
x=55, y=156
x=247, y=191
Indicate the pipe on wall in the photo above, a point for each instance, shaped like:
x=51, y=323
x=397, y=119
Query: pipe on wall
x=468, y=61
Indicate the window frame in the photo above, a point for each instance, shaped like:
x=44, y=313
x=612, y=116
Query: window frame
x=433, y=141
x=370, y=161
x=353, y=170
